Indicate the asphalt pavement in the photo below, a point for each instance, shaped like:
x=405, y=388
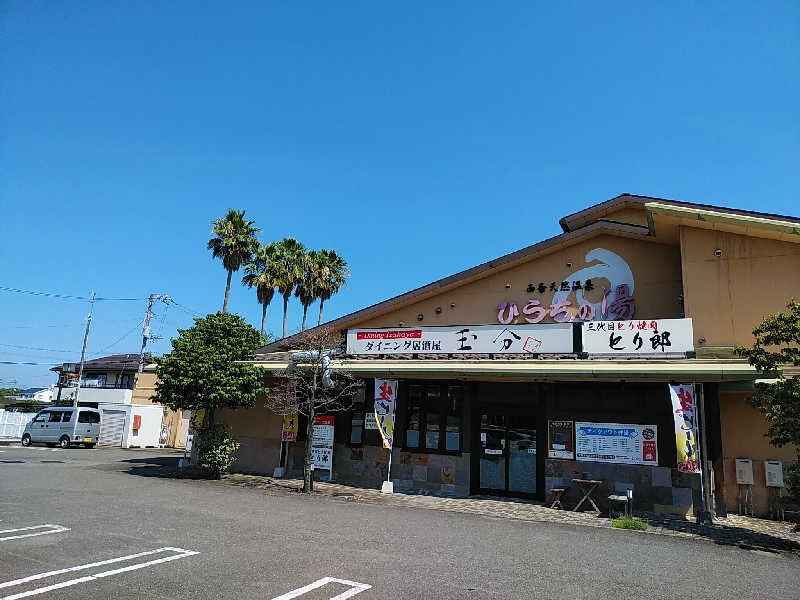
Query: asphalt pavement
x=93, y=524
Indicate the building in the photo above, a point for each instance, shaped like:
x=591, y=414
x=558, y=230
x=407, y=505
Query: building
x=488, y=403
x=130, y=418
x=37, y=395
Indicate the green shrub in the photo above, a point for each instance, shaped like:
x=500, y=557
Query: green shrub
x=216, y=450
x=629, y=523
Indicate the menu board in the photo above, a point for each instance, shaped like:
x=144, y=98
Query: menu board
x=616, y=443
x=560, y=439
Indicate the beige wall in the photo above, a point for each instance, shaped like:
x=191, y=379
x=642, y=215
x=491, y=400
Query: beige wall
x=727, y=296
x=258, y=430
x=743, y=428
x=144, y=389
x=656, y=271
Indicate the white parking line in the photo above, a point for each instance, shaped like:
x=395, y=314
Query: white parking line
x=180, y=553
x=50, y=529
x=356, y=588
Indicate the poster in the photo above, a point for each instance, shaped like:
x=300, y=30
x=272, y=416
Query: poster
x=551, y=338
x=370, y=422
x=289, y=429
x=322, y=443
x=616, y=443
x=684, y=414
x=642, y=336
x=385, y=401
x=560, y=442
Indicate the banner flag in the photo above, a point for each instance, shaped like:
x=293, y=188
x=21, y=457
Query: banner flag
x=685, y=414
x=385, y=401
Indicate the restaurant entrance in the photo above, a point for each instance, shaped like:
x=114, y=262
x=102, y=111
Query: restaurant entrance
x=508, y=461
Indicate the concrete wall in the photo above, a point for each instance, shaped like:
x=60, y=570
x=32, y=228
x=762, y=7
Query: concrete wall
x=727, y=296
x=656, y=270
x=258, y=430
x=743, y=437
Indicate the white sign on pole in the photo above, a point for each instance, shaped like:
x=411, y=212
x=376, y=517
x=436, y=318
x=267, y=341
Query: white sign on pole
x=322, y=444
x=550, y=338
x=616, y=443
x=642, y=336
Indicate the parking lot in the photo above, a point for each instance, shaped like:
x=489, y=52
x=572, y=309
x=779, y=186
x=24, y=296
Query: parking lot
x=97, y=524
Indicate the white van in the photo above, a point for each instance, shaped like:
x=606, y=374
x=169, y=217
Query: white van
x=64, y=425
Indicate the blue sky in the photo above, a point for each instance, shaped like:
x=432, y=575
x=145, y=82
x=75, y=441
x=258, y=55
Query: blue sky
x=417, y=139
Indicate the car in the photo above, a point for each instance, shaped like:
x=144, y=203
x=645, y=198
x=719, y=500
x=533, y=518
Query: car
x=64, y=426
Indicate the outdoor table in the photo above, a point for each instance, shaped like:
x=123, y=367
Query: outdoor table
x=587, y=486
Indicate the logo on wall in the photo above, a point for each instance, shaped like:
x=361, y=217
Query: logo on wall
x=616, y=300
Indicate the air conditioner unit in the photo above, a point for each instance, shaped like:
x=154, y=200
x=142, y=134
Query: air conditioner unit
x=773, y=469
x=744, y=471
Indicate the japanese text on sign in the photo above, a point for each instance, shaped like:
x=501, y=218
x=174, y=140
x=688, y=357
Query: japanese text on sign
x=684, y=414
x=645, y=336
x=551, y=338
x=616, y=443
x=322, y=443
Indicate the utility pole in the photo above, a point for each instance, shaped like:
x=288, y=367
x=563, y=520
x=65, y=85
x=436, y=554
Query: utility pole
x=83, y=351
x=146, y=327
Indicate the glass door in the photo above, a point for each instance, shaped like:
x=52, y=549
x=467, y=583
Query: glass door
x=522, y=454
x=492, y=459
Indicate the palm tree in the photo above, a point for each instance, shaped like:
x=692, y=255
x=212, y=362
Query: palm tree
x=261, y=273
x=290, y=258
x=308, y=289
x=234, y=240
x=333, y=275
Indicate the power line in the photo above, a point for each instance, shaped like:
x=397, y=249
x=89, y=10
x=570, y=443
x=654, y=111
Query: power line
x=61, y=296
x=8, y=362
x=37, y=348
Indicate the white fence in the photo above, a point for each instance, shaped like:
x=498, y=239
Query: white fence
x=12, y=423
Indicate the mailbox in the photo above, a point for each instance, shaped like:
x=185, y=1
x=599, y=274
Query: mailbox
x=744, y=471
x=773, y=469
x=137, y=422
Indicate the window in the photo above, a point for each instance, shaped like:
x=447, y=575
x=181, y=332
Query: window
x=55, y=417
x=66, y=416
x=87, y=416
x=433, y=418
x=40, y=418
x=126, y=382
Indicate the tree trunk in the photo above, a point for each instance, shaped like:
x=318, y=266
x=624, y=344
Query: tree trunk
x=285, y=308
x=308, y=474
x=321, y=303
x=227, y=292
x=263, y=321
x=305, y=312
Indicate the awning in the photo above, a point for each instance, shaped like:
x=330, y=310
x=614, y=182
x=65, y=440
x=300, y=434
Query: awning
x=690, y=370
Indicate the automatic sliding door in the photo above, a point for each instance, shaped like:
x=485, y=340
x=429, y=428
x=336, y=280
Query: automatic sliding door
x=493, y=460
x=522, y=454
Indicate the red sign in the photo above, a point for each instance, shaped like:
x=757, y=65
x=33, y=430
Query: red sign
x=648, y=451
x=389, y=335
x=323, y=420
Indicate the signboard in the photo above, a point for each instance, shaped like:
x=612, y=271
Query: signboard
x=289, y=429
x=385, y=401
x=685, y=413
x=616, y=443
x=370, y=422
x=551, y=338
x=645, y=336
x=322, y=444
x=560, y=436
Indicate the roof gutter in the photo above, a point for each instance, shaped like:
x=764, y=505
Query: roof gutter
x=739, y=220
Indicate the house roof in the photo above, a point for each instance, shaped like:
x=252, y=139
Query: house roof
x=584, y=223
x=115, y=362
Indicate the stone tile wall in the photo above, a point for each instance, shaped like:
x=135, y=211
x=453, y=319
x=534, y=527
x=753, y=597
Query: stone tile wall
x=655, y=489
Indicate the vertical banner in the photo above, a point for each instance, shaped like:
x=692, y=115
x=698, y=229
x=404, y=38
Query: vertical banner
x=289, y=429
x=385, y=401
x=684, y=412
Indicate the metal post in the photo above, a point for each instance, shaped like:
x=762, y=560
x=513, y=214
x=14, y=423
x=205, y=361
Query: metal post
x=83, y=351
x=704, y=515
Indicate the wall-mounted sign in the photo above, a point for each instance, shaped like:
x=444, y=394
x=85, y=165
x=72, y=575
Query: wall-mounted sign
x=322, y=443
x=645, y=336
x=615, y=301
x=560, y=435
x=616, y=443
x=684, y=413
x=551, y=338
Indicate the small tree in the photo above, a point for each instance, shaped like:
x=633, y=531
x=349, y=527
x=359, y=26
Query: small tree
x=777, y=343
x=317, y=388
x=203, y=373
